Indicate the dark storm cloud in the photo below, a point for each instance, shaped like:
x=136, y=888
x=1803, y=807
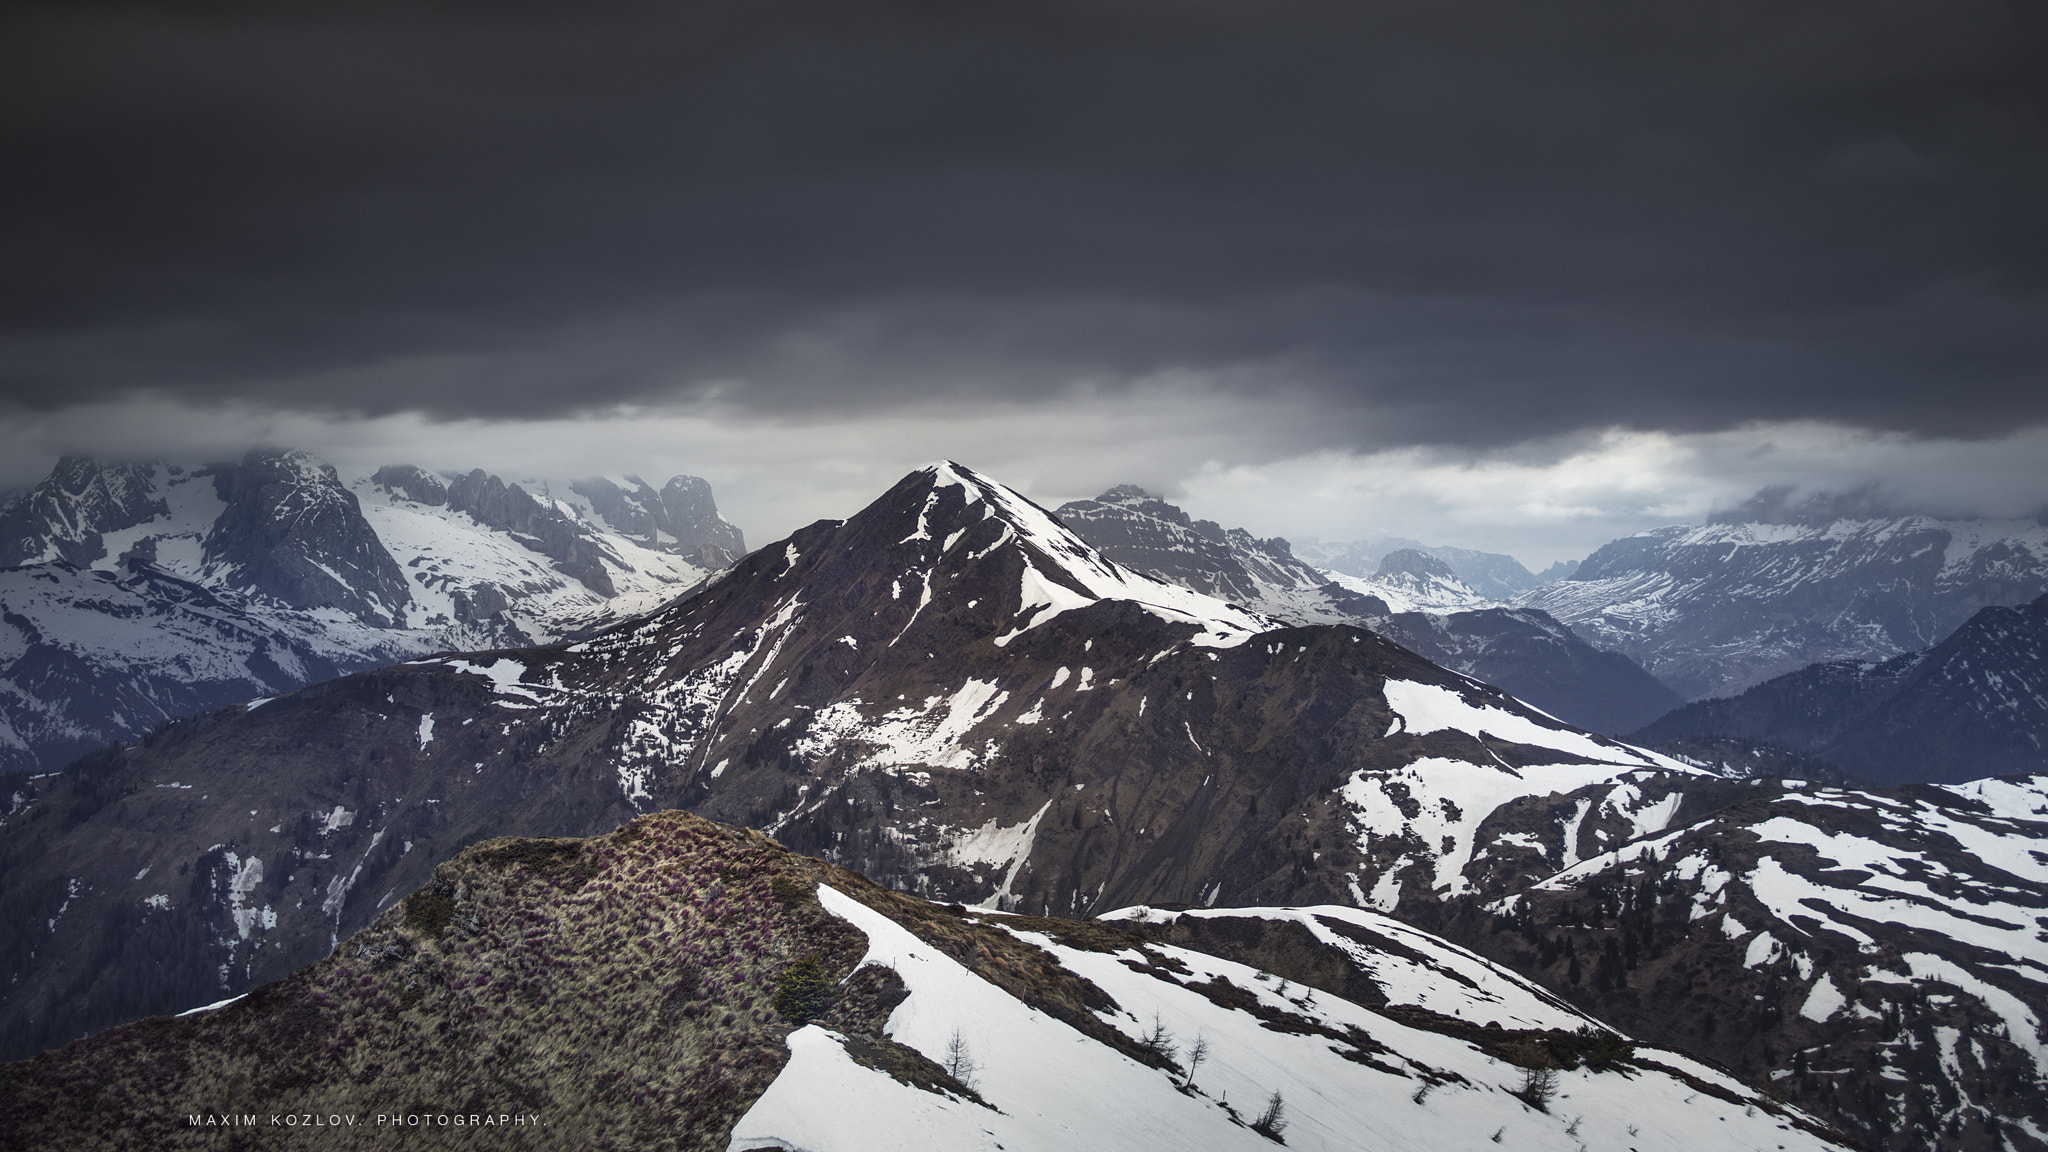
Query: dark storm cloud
x=1459, y=222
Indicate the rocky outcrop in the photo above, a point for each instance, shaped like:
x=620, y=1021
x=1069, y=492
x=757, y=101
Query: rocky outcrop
x=683, y=517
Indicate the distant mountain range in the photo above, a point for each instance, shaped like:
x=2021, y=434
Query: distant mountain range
x=1523, y=651
x=1975, y=704
x=1714, y=609
x=956, y=694
x=132, y=594
x=1492, y=575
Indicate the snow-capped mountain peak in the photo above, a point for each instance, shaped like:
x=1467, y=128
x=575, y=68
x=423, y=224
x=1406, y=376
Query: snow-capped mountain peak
x=963, y=517
x=139, y=592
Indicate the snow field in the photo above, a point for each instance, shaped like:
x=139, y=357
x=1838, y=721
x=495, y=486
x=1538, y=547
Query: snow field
x=1446, y=979
x=1456, y=797
x=1057, y=1090
x=1424, y=708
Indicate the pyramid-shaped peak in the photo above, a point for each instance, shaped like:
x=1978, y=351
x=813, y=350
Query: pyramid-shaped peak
x=946, y=524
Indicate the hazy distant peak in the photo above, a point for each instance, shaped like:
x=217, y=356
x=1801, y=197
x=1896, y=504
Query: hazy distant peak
x=1124, y=492
x=1415, y=562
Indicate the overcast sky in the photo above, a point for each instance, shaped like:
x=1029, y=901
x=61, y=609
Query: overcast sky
x=1493, y=273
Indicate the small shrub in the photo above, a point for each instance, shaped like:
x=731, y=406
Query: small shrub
x=1271, y=1123
x=804, y=991
x=1595, y=1047
x=793, y=891
x=1159, y=1043
x=1196, y=1054
x=428, y=912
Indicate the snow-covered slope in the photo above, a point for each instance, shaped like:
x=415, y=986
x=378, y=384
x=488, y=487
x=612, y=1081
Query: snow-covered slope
x=1888, y=947
x=1715, y=608
x=481, y=585
x=1383, y=1084
x=142, y=592
x=90, y=655
x=1387, y=962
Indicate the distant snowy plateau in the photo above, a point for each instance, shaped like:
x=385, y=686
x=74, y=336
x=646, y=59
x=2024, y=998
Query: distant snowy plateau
x=133, y=594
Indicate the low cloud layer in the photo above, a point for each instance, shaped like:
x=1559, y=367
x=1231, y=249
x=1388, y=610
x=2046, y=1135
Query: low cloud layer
x=1542, y=501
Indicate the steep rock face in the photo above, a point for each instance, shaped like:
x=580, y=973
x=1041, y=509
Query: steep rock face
x=683, y=517
x=1976, y=703
x=416, y=484
x=949, y=691
x=1876, y=956
x=208, y=585
x=682, y=984
x=545, y=529
x=290, y=530
x=1524, y=651
x=1149, y=535
x=68, y=514
x=1712, y=610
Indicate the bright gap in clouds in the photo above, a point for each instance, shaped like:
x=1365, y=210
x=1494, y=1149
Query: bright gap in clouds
x=1220, y=457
